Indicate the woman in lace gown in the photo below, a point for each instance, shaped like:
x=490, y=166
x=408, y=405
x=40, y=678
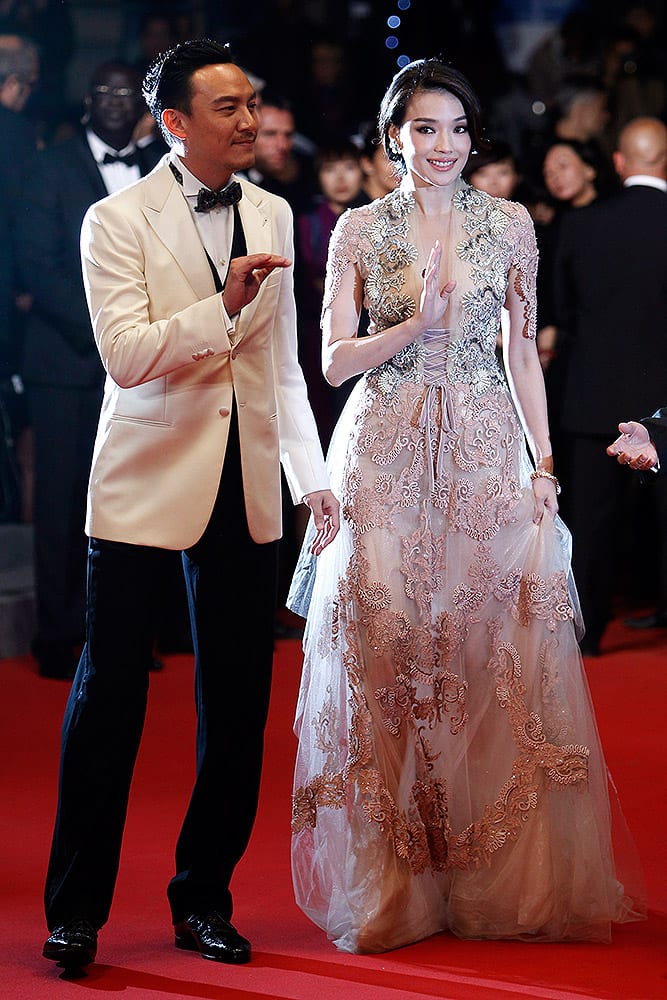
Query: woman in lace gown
x=449, y=771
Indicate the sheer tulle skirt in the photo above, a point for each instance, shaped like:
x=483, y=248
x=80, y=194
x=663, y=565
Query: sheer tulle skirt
x=449, y=771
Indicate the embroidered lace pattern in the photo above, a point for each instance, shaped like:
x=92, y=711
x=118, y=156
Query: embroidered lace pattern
x=426, y=691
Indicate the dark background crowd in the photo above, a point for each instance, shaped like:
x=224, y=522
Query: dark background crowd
x=557, y=83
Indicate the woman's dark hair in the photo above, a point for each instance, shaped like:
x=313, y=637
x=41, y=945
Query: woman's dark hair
x=423, y=75
x=586, y=151
x=337, y=149
x=168, y=80
x=495, y=151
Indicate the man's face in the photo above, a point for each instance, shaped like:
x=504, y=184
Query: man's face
x=275, y=140
x=115, y=105
x=16, y=90
x=219, y=131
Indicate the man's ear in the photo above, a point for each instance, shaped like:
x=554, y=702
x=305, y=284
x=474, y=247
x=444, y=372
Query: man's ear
x=619, y=162
x=8, y=89
x=174, y=122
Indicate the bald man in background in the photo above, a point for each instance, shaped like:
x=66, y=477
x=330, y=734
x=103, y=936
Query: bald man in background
x=611, y=293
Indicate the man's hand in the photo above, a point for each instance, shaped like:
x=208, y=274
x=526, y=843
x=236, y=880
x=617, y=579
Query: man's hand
x=326, y=515
x=245, y=276
x=634, y=447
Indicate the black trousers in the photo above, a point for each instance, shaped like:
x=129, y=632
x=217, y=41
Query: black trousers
x=612, y=517
x=231, y=583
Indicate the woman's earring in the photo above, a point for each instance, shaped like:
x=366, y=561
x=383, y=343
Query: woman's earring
x=395, y=148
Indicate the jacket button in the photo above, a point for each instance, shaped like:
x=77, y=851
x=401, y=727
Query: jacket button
x=223, y=411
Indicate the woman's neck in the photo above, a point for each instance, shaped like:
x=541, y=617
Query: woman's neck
x=588, y=195
x=431, y=199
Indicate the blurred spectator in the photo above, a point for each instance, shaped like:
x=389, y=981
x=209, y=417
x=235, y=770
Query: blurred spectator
x=380, y=175
x=570, y=173
x=49, y=25
x=279, y=167
x=580, y=114
x=493, y=169
x=19, y=73
x=611, y=295
x=340, y=177
x=61, y=367
x=570, y=178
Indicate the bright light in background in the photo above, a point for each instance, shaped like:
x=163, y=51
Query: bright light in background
x=394, y=23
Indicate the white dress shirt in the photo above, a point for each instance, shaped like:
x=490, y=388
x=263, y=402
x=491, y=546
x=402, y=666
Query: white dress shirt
x=215, y=228
x=645, y=180
x=116, y=176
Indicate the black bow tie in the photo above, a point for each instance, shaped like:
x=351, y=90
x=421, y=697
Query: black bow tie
x=129, y=159
x=230, y=195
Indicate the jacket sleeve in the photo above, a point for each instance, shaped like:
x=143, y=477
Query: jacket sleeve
x=657, y=428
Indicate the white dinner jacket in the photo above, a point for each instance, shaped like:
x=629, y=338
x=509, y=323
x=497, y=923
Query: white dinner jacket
x=175, y=362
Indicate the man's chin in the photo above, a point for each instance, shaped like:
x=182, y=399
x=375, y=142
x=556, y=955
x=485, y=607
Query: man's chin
x=245, y=162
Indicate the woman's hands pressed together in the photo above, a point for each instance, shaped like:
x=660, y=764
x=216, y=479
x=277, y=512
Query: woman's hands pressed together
x=433, y=301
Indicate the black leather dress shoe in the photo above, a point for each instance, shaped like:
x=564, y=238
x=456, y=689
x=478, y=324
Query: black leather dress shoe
x=72, y=945
x=213, y=937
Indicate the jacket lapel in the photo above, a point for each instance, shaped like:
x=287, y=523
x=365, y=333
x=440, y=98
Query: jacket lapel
x=167, y=213
x=257, y=231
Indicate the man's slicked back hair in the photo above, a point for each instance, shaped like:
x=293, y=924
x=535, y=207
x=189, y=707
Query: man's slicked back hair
x=168, y=80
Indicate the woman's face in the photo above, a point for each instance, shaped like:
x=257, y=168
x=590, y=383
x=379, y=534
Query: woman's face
x=566, y=175
x=497, y=179
x=340, y=180
x=434, y=138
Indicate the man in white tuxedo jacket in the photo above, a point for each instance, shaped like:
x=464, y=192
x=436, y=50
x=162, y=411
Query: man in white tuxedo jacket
x=190, y=295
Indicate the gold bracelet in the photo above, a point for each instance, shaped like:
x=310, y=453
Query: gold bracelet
x=543, y=474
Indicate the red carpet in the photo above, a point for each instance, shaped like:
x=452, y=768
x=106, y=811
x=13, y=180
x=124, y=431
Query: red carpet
x=292, y=959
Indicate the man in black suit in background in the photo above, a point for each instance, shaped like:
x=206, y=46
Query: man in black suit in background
x=19, y=73
x=61, y=367
x=611, y=291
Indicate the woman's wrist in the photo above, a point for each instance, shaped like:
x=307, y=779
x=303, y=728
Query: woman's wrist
x=540, y=473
